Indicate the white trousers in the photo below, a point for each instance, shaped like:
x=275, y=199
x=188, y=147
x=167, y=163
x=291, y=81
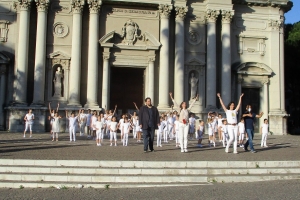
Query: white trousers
x=225, y=138
x=171, y=136
x=165, y=135
x=264, y=139
x=99, y=134
x=177, y=136
x=134, y=132
x=183, y=135
x=241, y=136
x=28, y=125
x=72, y=133
x=125, y=139
x=159, y=136
x=82, y=126
x=113, y=135
x=232, y=132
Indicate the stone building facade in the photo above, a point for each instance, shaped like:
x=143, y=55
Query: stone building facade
x=98, y=53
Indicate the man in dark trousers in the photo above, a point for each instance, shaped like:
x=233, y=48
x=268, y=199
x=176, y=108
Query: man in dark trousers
x=149, y=121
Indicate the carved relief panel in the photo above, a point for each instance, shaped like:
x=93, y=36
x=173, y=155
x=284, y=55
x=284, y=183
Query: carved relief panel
x=3, y=30
x=252, y=45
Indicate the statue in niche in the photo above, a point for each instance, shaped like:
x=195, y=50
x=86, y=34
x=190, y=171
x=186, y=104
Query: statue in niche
x=58, y=82
x=193, y=82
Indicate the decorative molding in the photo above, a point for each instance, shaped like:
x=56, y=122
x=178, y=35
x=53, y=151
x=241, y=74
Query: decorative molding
x=193, y=37
x=285, y=5
x=77, y=6
x=22, y=4
x=227, y=16
x=254, y=68
x=60, y=29
x=60, y=55
x=3, y=30
x=151, y=58
x=130, y=33
x=275, y=24
x=165, y=10
x=212, y=15
x=106, y=56
x=181, y=12
x=42, y=5
x=266, y=80
x=252, y=44
x=94, y=5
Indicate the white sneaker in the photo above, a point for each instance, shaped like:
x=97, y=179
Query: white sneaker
x=115, y=145
x=160, y=146
x=110, y=144
x=182, y=151
x=235, y=152
x=186, y=150
x=24, y=136
x=226, y=150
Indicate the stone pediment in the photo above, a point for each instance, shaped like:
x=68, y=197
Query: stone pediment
x=59, y=55
x=253, y=68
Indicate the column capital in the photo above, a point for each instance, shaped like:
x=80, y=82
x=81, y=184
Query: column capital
x=23, y=4
x=77, y=6
x=181, y=12
x=106, y=56
x=42, y=5
x=227, y=16
x=94, y=6
x=275, y=24
x=212, y=15
x=266, y=81
x=165, y=10
x=151, y=59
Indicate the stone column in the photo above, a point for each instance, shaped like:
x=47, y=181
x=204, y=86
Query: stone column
x=74, y=84
x=265, y=99
x=105, y=84
x=40, y=53
x=164, y=11
x=151, y=78
x=239, y=92
x=22, y=58
x=211, y=94
x=2, y=94
x=226, y=56
x=281, y=64
x=92, y=82
x=179, y=54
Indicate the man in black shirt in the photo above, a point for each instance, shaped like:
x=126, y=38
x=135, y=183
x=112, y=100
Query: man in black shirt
x=149, y=121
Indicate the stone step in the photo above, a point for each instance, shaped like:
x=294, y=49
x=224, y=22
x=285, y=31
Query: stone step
x=143, y=171
x=151, y=164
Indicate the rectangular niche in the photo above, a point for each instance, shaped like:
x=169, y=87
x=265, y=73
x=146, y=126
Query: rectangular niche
x=252, y=44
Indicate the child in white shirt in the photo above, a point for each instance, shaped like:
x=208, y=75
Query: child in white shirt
x=99, y=125
x=200, y=132
x=113, y=126
x=192, y=121
x=72, y=125
x=160, y=132
x=224, y=131
x=241, y=132
x=125, y=130
x=176, y=128
x=165, y=129
x=211, y=130
x=264, y=130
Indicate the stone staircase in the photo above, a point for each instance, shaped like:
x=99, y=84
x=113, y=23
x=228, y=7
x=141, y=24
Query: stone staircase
x=18, y=173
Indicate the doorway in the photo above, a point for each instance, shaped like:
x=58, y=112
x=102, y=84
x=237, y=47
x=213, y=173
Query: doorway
x=126, y=87
x=252, y=97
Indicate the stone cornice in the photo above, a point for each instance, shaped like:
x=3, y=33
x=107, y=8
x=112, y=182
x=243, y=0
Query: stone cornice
x=212, y=15
x=42, y=5
x=94, y=5
x=165, y=10
x=227, y=16
x=286, y=5
x=181, y=12
x=77, y=6
x=22, y=4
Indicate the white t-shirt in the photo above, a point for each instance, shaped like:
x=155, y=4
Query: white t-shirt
x=29, y=118
x=219, y=122
x=72, y=121
x=126, y=126
x=113, y=126
x=82, y=117
x=192, y=121
x=265, y=128
x=231, y=116
x=94, y=120
x=241, y=127
x=224, y=128
x=121, y=122
x=176, y=123
x=170, y=121
x=161, y=127
x=99, y=125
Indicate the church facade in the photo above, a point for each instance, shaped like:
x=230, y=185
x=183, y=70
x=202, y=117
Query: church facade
x=101, y=53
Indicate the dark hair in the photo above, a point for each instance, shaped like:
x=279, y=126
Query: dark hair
x=242, y=118
x=200, y=120
x=265, y=119
x=147, y=99
x=126, y=118
x=228, y=107
x=180, y=106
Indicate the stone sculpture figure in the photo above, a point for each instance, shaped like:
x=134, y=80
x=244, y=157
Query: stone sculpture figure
x=193, y=82
x=58, y=82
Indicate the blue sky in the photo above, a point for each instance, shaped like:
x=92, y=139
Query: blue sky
x=293, y=15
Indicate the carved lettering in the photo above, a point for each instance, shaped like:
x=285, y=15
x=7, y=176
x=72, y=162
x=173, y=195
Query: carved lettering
x=132, y=11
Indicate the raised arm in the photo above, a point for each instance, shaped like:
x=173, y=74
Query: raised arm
x=221, y=102
x=57, y=107
x=260, y=115
x=240, y=102
x=50, y=108
x=176, y=106
x=136, y=106
x=190, y=107
x=115, y=110
x=66, y=114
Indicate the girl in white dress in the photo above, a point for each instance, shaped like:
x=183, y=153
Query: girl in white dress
x=211, y=128
x=138, y=130
x=93, y=123
x=55, y=126
x=183, y=122
x=219, y=125
x=113, y=130
x=120, y=125
x=264, y=130
x=160, y=132
x=29, y=117
x=52, y=115
x=231, y=115
x=88, y=123
x=82, y=122
x=125, y=130
x=134, y=124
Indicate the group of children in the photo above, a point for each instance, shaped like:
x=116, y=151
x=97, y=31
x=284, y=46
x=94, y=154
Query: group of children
x=98, y=125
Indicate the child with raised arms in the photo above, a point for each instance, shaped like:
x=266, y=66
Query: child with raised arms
x=55, y=126
x=72, y=125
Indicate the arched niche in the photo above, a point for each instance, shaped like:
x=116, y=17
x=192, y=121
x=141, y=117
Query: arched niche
x=196, y=67
x=58, y=60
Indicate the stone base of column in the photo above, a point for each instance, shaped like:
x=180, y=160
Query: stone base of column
x=197, y=108
x=74, y=104
x=163, y=108
x=278, y=122
x=38, y=104
x=92, y=106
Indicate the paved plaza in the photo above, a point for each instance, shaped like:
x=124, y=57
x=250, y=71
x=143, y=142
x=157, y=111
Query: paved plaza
x=40, y=146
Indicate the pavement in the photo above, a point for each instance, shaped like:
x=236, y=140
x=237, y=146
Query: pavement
x=41, y=147
x=273, y=190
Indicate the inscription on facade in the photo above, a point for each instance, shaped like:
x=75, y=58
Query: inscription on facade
x=122, y=11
